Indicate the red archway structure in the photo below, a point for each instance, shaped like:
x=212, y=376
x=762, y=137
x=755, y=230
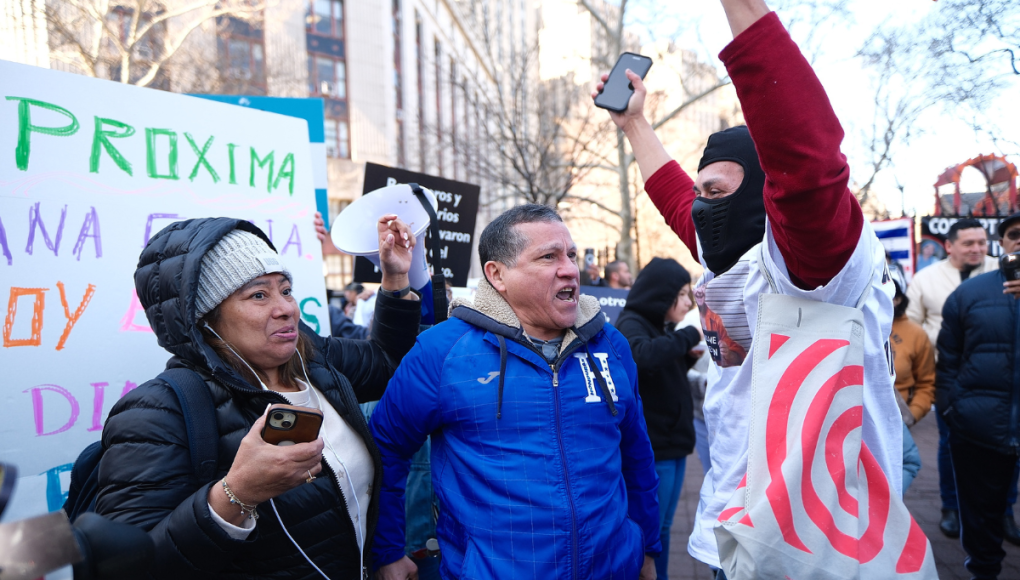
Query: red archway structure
x=996, y=170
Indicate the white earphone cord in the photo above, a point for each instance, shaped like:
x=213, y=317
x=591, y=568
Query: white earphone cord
x=357, y=504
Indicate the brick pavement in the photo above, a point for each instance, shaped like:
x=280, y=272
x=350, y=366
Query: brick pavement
x=922, y=499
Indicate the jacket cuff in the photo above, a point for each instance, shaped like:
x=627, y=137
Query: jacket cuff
x=396, y=323
x=385, y=557
x=211, y=531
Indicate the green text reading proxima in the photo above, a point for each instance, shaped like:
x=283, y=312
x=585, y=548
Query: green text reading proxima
x=106, y=130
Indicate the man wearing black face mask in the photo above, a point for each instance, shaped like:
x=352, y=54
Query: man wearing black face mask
x=786, y=189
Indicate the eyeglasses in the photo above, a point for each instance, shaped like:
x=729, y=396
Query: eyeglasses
x=1013, y=234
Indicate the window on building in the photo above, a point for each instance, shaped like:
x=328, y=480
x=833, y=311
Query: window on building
x=398, y=83
x=245, y=58
x=327, y=76
x=326, y=17
x=420, y=65
x=242, y=57
x=327, y=71
x=439, y=103
x=453, y=114
x=337, y=138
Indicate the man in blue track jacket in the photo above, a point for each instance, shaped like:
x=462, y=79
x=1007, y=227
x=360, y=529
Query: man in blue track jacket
x=540, y=457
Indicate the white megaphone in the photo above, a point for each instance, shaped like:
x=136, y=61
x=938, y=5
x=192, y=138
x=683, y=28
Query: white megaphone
x=354, y=230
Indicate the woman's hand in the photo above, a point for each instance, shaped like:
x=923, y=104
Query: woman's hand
x=396, y=243
x=402, y=569
x=635, y=107
x=262, y=471
x=648, y=569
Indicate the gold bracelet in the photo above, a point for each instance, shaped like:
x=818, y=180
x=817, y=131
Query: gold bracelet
x=246, y=509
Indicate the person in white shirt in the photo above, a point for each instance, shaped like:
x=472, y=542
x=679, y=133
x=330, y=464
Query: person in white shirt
x=785, y=190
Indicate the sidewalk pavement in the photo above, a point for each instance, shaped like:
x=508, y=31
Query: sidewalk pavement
x=922, y=499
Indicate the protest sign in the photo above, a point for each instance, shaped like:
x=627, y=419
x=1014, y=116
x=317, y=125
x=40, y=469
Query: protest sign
x=936, y=228
x=457, y=212
x=311, y=110
x=612, y=300
x=89, y=171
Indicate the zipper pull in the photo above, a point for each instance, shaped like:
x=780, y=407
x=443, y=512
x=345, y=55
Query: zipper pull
x=556, y=377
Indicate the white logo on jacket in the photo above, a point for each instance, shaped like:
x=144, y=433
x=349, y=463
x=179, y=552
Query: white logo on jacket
x=488, y=379
x=589, y=376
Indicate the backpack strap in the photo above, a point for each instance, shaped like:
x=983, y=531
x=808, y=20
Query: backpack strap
x=199, y=419
x=439, y=304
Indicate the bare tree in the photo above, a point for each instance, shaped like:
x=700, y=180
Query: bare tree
x=134, y=40
x=956, y=60
x=544, y=135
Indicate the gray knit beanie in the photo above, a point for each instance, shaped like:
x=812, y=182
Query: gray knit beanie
x=237, y=259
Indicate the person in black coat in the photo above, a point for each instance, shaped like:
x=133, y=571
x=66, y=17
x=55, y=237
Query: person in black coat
x=219, y=298
x=977, y=391
x=658, y=300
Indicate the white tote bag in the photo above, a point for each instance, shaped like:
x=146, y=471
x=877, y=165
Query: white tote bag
x=814, y=503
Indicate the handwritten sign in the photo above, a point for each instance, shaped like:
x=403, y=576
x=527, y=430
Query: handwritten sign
x=89, y=171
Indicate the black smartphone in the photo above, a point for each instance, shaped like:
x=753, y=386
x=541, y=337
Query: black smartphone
x=617, y=90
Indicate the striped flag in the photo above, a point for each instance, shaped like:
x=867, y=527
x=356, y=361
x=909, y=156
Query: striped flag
x=898, y=238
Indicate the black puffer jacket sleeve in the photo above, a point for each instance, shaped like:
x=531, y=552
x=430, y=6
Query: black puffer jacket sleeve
x=655, y=352
x=369, y=364
x=146, y=479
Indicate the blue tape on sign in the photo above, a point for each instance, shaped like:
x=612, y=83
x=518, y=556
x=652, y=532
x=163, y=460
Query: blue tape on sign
x=310, y=109
x=322, y=205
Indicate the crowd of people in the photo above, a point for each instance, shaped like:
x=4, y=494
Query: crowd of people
x=542, y=441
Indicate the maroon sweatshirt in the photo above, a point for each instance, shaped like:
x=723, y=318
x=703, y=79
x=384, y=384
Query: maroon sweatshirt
x=815, y=220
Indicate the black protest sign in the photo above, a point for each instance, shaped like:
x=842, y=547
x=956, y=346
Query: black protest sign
x=937, y=228
x=457, y=213
x=612, y=300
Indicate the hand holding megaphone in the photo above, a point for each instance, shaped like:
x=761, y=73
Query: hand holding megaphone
x=353, y=233
x=396, y=246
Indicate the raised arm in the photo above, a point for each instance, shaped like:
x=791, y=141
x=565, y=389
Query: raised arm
x=741, y=14
x=815, y=219
x=667, y=185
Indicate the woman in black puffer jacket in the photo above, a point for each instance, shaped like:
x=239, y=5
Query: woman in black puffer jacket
x=659, y=299
x=219, y=299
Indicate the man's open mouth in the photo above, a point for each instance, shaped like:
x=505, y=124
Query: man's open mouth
x=567, y=295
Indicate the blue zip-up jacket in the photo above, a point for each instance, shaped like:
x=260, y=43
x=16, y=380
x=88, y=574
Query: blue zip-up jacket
x=977, y=378
x=540, y=470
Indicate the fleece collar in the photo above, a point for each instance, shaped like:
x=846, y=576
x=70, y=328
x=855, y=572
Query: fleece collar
x=492, y=312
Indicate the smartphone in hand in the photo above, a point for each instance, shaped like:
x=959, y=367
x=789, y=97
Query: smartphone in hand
x=616, y=91
x=289, y=425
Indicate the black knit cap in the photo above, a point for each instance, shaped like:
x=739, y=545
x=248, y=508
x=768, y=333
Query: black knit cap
x=729, y=227
x=1004, y=224
x=656, y=287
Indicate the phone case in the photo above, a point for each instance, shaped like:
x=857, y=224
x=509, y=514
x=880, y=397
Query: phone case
x=306, y=425
x=603, y=100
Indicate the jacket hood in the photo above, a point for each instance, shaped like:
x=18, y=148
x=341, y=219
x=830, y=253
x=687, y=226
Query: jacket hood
x=492, y=312
x=166, y=281
x=655, y=289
